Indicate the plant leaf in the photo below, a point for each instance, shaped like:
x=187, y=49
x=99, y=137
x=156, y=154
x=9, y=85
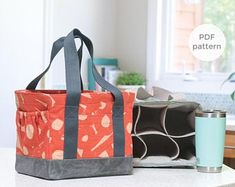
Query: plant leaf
x=229, y=78
x=232, y=95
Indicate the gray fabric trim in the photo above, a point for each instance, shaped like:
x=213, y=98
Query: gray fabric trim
x=73, y=168
x=118, y=109
x=71, y=122
x=57, y=46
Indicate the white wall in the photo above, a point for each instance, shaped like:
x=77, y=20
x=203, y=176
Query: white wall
x=21, y=57
x=28, y=28
x=96, y=19
x=118, y=28
x=132, y=34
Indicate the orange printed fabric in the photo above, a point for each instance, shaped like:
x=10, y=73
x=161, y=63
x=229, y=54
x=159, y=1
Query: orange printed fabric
x=40, y=124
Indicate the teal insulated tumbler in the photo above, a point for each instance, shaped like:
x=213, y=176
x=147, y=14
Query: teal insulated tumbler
x=210, y=138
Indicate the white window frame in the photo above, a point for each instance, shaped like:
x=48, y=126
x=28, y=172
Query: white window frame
x=158, y=49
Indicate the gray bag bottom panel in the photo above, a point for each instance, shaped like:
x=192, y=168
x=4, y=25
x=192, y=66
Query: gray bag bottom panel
x=73, y=168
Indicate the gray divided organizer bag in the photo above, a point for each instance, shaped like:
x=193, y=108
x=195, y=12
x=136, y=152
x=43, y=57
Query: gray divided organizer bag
x=163, y=134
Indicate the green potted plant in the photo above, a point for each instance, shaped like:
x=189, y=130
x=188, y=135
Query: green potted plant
x=231, y=77
x=130, y=81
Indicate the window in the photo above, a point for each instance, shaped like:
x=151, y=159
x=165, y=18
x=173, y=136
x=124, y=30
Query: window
x=189, y=14
x=186, y=16
x=172, y=64
x=222, y=14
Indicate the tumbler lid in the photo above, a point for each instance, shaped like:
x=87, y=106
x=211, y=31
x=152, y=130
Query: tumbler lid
x=211, y=113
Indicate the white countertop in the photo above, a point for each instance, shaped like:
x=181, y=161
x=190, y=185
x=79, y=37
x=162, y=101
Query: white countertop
x=140, y=178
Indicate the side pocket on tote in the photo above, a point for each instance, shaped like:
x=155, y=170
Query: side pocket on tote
x=32, y=133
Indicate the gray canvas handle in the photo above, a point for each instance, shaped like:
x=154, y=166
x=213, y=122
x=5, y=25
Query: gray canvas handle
x=73, y=98
x=57, y=46
x=74, y=88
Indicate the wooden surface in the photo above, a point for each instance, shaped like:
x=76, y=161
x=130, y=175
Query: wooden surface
x=229, y=151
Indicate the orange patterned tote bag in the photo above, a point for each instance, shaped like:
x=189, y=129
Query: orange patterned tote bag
x=73, y=133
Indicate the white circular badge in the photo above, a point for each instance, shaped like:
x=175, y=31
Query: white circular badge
x=207, y=42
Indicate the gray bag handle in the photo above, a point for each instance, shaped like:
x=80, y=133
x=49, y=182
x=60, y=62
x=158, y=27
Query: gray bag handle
x=73, y=86
x=57, y=46
x=74, y=92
